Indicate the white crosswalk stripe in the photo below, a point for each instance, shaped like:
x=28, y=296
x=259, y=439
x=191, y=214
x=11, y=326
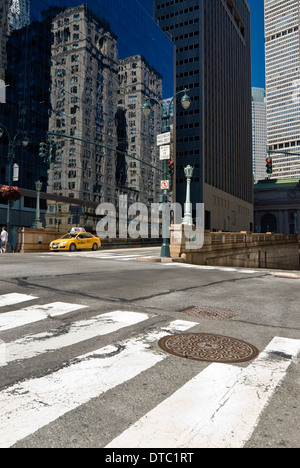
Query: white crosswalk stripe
x=14, y=298
x=100, y=255
x=35, y=313
x=34, y=345
x=220, y=407
x=30, y=405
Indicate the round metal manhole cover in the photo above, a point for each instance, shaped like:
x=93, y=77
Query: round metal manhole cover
x=208, y=348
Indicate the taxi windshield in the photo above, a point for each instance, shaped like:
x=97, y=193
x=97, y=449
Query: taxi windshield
x=69, y=236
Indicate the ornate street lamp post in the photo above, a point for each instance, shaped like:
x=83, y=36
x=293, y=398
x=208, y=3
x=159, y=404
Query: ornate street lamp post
x=188, y=218
x=37, y=222
x=165, y=127
x=11, y=157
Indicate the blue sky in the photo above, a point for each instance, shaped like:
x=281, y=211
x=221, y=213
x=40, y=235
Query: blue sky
x=258, y=43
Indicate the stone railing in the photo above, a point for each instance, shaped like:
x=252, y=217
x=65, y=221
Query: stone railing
x=243, y=249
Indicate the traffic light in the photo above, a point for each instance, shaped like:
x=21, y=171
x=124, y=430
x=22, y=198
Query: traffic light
x=52, y=154
x=171, y=168
x=269, y=165
x=44, y=149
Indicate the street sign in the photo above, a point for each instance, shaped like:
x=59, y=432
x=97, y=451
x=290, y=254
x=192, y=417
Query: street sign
x=2, y=92
x=15, y=173
x=164, y=152
x=165, y=185
x=164, y=139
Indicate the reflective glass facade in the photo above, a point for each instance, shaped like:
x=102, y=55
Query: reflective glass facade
x=213, y=60
x=62, y=62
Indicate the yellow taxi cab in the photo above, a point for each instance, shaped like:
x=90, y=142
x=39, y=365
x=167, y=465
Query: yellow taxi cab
x=77, y=239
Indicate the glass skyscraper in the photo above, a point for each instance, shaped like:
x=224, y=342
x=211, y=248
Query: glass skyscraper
x=62, y=62
x=282, y=23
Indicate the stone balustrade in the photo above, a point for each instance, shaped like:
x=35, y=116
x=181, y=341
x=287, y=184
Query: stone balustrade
x=238, y=249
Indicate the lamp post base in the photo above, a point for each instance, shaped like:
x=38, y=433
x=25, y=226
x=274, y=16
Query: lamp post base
x=38, y=225
x=187, y=220
x=165, y=250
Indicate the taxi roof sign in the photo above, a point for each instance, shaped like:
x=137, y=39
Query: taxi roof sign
x=78, y=229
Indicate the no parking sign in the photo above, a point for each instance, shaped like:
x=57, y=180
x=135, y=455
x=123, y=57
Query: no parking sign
x=165, y=185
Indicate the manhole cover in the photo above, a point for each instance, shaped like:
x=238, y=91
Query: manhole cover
x=209, y=313
x=209, y=348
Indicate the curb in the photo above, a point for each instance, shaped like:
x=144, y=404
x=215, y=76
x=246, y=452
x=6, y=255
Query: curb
x=161, y=259
x=286, y=275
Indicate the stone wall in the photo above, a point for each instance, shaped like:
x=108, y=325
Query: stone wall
x=32, y=240
x=243, y=249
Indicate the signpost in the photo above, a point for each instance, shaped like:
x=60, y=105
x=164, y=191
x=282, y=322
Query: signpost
x=165, y=152
x=164, y=139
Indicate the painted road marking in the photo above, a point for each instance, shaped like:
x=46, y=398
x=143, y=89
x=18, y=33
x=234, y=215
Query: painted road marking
x=15, y=298
x=28, y=406
x=68, y=335
x=35, y=313
x=219, y=408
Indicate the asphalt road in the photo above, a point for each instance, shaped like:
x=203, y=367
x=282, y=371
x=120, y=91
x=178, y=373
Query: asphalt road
x=262, y=305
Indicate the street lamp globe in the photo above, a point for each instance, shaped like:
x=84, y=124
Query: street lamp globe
x=38, y=185
x=1, y=133
x=146, y=108
x=188, y=171
x=186, y=101
x=25, y=141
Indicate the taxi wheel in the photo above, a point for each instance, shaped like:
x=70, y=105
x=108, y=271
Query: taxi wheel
x=72, y=248
x=95, y=247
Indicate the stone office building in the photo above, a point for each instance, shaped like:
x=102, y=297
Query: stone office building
x=277, y=206
x=83, y=95
x=137, y=79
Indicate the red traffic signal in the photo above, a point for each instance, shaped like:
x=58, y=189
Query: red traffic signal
x=269, y=166
x=171, y=167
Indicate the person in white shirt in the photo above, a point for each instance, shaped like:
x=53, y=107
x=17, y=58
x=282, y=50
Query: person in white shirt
x=4, y=239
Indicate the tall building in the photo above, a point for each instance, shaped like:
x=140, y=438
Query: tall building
x=46, y=64
x=19, y=14
x=83, y=97
x=282, y=33
x=213, y=60
x=4, y=29
x=27, y=77
x=137, y=80
x=259, y=129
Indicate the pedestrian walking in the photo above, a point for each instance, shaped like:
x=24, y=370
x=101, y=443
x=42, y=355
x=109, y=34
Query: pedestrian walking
x=4, y=239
